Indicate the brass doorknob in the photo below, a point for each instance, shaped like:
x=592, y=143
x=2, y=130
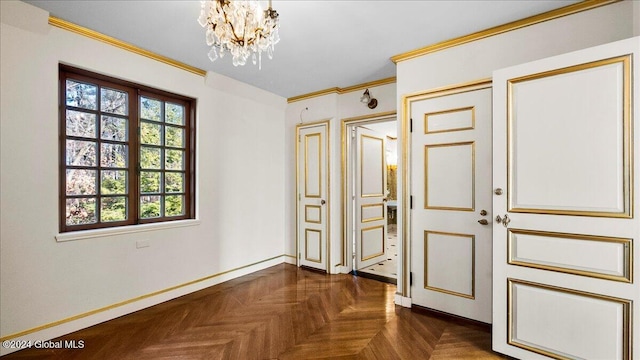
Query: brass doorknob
x=498, y=191
x=322, y=202
x=483, y=222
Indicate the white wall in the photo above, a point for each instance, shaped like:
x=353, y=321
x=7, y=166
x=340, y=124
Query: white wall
x=478, y=59
x=334, y=107
x=240, y=186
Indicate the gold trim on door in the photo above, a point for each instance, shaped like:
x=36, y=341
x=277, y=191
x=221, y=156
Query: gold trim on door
x=306, y=214
x=306, y=245
x=473, y=265
x=382, y=184
x=362, y=242
x=626, y=323
x=628, y=255
x=365, y=220
x=473, y=120
x=473, y=176
x=627, y=175
x=306, y=162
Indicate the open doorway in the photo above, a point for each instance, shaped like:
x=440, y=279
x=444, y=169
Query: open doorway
x=371, y=198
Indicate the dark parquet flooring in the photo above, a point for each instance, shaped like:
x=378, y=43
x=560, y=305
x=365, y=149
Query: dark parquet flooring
x=282, y=312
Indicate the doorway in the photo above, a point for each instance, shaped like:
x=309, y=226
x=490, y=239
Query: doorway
x=370, y=201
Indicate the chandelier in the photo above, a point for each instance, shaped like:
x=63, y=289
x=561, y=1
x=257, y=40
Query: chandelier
x=241, y=28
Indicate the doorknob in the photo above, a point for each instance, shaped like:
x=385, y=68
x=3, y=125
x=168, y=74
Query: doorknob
x=483, y=212
x=483, y=222
x=384, y=199
x=498, y=191
x=504, y=220
x=322, y=202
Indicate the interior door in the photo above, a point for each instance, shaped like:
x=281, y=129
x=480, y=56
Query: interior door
x=312, y=195
x=370, y=198
x=451, y=202
x=563, y=155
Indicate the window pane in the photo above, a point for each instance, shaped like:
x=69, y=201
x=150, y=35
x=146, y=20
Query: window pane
x=113, y=209
x=81, y=211
x=150, y=133
x=174, y=113
x=114, y=128
x=114, y=101
x=174, y=136
x=149, y=158
x=81, y=124
x=81, y=182
x=149, y=182
x=174, y=182
x=150, y=109
x=174, y=205
x=81, y=153
x=149, y=207
x=113, y=155
x=114, y=182
x=81, y=95
x=174, y=159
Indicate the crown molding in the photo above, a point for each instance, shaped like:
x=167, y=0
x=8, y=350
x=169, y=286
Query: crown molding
x=337, y=90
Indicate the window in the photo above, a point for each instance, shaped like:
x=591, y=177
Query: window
x=126, y=153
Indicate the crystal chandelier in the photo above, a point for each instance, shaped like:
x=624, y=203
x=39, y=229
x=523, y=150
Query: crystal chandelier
x=241, y=28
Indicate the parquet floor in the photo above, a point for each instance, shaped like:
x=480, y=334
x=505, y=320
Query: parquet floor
x=280, y=313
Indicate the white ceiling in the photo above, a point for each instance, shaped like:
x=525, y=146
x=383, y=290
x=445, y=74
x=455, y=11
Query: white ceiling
x=323, y=44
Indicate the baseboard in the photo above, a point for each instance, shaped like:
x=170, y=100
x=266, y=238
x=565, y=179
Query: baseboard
x=94, y=317
x=402, y=301
x=290, y=259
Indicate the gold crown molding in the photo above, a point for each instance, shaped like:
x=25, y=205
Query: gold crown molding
x=337, y=90
x=63, y=24
x=122, y=303
x=500, y=29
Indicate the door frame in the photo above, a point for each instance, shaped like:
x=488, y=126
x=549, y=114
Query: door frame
x=327, y=124
x=345, y=127
x=404, y=168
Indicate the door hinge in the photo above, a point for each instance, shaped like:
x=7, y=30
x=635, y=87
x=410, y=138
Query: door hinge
x=410, y=279
x=410, y=125
x=411, y=202
x=353, y=133
x=299, y=197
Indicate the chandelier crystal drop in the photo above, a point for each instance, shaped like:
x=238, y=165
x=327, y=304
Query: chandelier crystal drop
x=241, y=28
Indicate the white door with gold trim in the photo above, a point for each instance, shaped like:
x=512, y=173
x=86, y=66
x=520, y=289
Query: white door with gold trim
x=371, y=197
x=564, y=227
x=451, y=196
x=313, y=196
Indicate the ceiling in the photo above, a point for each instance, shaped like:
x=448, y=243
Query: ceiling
x=324, y=44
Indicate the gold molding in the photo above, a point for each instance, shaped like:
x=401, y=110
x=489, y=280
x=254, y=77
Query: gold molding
x=500, y=29
x=343, y=170
x=339, y=91
x=362, y=258
x=626, y=317
x=69, y=26
x=449, y=111
x=306, y=214
x=473, y=264
x=126, y=302
x=382, y=167
x=306, y=245
x=627, y=258
x=627, y=174
x=405, y=117
x=473, y=176
x=306, y=162
x=363, y=220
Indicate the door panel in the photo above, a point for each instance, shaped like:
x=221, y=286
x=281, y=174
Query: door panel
x=370, y=189
x=451, y=189
x=563, y=253
x=312, y=196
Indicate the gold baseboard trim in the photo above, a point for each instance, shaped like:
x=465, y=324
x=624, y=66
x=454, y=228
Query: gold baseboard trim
x=337, y=90
x=66, y=25
x=500, y=29
x=122, y=303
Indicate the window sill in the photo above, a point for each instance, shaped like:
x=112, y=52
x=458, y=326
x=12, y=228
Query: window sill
x=120, y=230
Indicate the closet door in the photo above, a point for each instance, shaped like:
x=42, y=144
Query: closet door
x=565, y=202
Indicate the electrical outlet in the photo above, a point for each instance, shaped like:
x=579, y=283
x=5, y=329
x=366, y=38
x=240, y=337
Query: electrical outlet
x=142, y=244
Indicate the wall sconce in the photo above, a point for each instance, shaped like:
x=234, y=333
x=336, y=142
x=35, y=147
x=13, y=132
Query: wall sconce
x=367, y=99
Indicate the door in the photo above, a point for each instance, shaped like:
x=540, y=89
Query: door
x=313, y=196
x=370, y=198
x=564, y=223
x=451, y=202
